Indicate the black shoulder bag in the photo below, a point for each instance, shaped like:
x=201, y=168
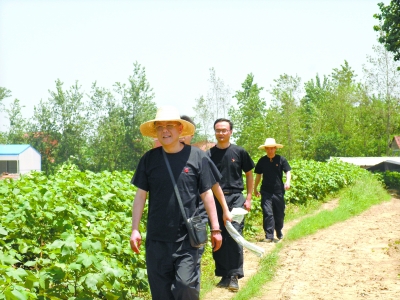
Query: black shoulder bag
x=195, y=227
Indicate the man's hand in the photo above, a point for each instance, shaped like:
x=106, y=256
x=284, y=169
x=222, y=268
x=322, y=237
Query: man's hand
x=256, y=193
x=247, y=204
x=227, y=216
x=287, y=186
x=216, y=240
x=135, y=241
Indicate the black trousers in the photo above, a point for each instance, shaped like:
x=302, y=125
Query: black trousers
x=229, y=258
x=172, y=270
x=273, y=208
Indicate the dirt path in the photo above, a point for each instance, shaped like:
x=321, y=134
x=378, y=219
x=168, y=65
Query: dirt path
x=355, y=259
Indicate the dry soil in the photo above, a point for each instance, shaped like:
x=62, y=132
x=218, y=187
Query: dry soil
x=355, y=259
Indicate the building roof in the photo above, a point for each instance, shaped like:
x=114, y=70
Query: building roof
x=13, y=149
x=367, y=161
x=388, y=165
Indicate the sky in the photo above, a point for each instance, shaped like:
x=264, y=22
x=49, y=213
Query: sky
x=177, y=42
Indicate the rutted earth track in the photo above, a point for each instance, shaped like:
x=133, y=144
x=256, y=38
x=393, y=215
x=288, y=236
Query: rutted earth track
x=355, y=259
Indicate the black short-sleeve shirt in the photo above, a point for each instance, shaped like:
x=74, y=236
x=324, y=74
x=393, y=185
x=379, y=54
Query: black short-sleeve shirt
x=272, y=171
x=191, y=170
x=231, y=162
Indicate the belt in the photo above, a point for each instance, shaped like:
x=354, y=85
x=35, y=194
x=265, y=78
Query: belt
x=231, y=191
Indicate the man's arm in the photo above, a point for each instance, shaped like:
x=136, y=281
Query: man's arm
x=137, y=211
x=209, y=205
x=249, y=188
x=257, y=181
x=219, y=194
x=288, y=178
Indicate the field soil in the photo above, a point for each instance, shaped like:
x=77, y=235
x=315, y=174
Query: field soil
x=355, y=259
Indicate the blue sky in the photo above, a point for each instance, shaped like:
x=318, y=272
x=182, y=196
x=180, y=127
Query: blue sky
x=177, y=42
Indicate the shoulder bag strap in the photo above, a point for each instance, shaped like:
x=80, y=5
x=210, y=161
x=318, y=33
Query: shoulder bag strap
x=175, y=187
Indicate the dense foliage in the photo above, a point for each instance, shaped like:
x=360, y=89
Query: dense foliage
x=389, y=26
x=391, y=179
x=66, y=236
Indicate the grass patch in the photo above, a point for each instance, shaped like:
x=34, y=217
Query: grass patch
x=364, y=193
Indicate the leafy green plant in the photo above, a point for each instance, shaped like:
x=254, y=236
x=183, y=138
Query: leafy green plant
x=66, y=236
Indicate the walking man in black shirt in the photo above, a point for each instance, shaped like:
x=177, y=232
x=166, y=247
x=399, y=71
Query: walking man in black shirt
x=171, y=260
x=270, y=168
x=231, y=160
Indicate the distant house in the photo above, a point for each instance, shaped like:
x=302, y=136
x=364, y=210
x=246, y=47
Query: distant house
x=395, y=145
x=366, y=162
x=388, y=165
x=19, y=159
x=381, y=164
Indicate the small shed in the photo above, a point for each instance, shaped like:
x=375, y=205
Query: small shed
x=387, y=165
x=19, y=159
x=366, y=162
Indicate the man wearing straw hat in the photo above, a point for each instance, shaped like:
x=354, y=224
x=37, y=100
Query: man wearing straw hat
x=270, y=168
x=170, y=259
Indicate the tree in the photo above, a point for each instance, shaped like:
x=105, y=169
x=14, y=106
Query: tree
x=215, y=105
x=203, y=116
x=18, y=124
x=316, y=94
x=44, y=135
x=390, y=28
x=4, y=93
x=382, y=82
x=329, y=110
x=249, y=119
x=137, y=106
x=284, y=114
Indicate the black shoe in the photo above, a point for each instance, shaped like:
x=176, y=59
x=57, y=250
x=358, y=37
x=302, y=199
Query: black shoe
x=224, y=283
x=279, y=235
x=233, y=284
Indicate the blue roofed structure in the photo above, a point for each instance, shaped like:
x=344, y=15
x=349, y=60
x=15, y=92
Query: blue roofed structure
x=19, y=159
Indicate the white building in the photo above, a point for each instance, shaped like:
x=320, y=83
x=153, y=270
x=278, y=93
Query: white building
x=366, y=162
x=19, y=159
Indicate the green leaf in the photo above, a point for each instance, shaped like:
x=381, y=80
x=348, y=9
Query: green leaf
x=3, y=231
x=75, y=266
x=4, y=190
x=84, y=259
x=91, y=281
x=17, y=274
x=108, y=196
x=7, y=259
x=59, y=208
x=110, y=296
x=30, y=263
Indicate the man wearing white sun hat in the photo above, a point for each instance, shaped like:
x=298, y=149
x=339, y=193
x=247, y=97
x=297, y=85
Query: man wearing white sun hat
x=170, y=259
x=270, y=168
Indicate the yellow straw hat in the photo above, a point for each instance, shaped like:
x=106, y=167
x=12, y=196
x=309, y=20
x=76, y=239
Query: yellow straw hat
x=166, y=113
x=270, y=142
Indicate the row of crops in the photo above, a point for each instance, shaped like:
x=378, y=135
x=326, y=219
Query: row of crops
x=66, y=236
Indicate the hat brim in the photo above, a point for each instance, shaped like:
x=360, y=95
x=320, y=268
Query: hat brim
x=262, y=147
x=148, y=129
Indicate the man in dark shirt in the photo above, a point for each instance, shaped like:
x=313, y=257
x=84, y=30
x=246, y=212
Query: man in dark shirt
x=171, y=260
x=231, y=160
x=270, y=168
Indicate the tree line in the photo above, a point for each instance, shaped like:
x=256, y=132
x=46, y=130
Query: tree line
x=330, y=115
